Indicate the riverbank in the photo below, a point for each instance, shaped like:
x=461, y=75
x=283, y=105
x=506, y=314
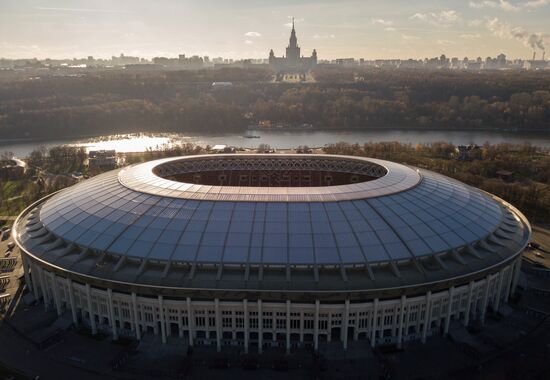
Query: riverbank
x=283, y=139
x=511, y=131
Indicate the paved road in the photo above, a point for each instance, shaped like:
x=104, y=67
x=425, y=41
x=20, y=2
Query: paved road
x=18, y=353
x=527, y=360
x=542, y=236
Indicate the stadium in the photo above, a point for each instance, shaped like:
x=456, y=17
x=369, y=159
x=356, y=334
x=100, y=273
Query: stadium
x=272, y=250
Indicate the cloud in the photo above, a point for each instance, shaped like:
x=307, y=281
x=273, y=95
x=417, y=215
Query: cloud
x=409, y=37
x=506, y=31
x=85, y=10
x=445, y=42
x=506, y=5
x=289, y=24
x=323, y=36
x=379, y=21
x=252, y=34
x=390, y=29
x=248, y=42
x=443, y=18
x=502, y=4
x=536, y=3
x=476, y=22
x=470, y=36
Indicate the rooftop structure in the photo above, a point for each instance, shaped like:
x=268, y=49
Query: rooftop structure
x=102, y=159
x=12, y=169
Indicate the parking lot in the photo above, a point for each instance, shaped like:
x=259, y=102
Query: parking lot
x=10, y=269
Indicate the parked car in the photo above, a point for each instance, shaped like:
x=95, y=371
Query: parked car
x=533, y=245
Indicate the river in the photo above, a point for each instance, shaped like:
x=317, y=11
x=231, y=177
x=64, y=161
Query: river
x=281, y=139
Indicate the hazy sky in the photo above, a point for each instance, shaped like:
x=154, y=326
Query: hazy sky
x=248, y=29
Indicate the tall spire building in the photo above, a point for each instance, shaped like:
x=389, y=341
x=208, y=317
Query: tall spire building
x=293, y=62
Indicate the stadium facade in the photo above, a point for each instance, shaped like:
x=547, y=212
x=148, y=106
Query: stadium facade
x=275, y=250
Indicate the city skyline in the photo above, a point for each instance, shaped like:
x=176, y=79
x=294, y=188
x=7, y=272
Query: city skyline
x=248, y=29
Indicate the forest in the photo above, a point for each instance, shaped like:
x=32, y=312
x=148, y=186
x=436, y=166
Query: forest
x=528, y=187
x=109, y=102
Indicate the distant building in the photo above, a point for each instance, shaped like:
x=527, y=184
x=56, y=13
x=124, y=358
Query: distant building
x=77, y=175
x=181, y=63
x=124, y=60
x=221, y=85
x=292, y=62
x=102, y=159
x=536, y=64
x=222, y=148
x=346, y=62
x=13, y=169
x=467, y=152
x=505, y=175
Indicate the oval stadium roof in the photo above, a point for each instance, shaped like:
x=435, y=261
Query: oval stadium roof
x=404, y=216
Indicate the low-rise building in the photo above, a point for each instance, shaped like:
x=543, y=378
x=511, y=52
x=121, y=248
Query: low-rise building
x=467, y=152
x=102, y=159
x=12, y=169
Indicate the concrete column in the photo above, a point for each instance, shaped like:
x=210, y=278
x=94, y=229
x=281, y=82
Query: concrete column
x=260, y=327
x=35, y=279
x=288, y=326
x=468, y=304
x=71, y=301
x=406, y=322
x=47, y=290
x=345, y=325
x=132, y=327
x=274, y=326
x=233, y=326
x=316, y=327
x=44, y=289
x=218, y=325
x=82, y=309
x=112, y=313
x=427, y=317
x=90, y=311
x=449, y=310
x=162, y=319
x=56, y=295
x=517, y=271
x=329, y=325
x=302, y=327
x=137, y=326
x=509, y=278
x=155, y=321
x=401, y=317
x=26, y=271
x=191, y=321
x=167, y=324
x=180, y=323
x=357, y=324
x=485, y=299
x=499, y=290
x=373, y=323
x=246, y=325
